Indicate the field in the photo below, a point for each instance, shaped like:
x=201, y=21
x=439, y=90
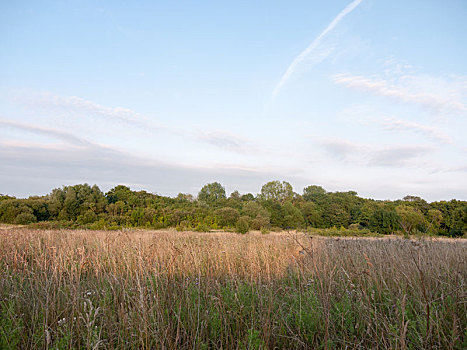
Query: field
x=141, y=289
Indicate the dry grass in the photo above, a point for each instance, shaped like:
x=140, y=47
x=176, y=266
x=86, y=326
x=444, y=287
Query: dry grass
x=168, y=289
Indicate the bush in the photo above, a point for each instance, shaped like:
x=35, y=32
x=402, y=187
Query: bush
x=202, y=228
x=260, y=222
x=87, y=218
x=226, y=216
x=243, y=224
x=98, y=225
x=342, y=232
x=25, y=218
x=184, y=226
x=355, y=227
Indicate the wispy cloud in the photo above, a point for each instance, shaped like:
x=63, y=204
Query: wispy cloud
x=113, y=118
x=311, y=49
x=431, y=132
x=397, y=156
x=84, y=108
x=79, y=160
x=462, y=168
x=371, y=155
x=342, y=149
x=106, y=166
x=58, y=134
x=80, y=107
x=408, y=89
x=227, y=141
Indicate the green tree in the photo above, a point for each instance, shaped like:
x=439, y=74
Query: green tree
x=4, y=197
x=311, y=214
x=185, y=197
x=119, y=193
x=260, y=217
x=458, y=220
x=16, y=211
x=261, y=221
x=336, y=214
x=227, y=216
x=88, y=217
x=252, y=209
x=384, y=220
x=411, y=218
x=235, y=195
x=212, y=193
x=25, y=218
x=243, y=224
x=366, y=213
x=40, y=207
x=292, y=217
x=71, y=205
x=56, y=199
x=277, y=191
x=314, y=193
x=247, y=197
x=434, y=217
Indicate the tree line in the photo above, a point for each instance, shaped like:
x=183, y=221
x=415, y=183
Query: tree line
x=277, y=206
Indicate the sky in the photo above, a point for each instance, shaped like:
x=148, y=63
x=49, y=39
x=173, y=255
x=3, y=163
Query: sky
x=166, y=96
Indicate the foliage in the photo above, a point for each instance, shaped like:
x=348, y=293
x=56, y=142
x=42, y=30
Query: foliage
x=313, y=193
x=411, y=219
x=277, y=191
x=227, y=216
x=212, y=193
x=243, y=224
x=277, y=206
x=25, y=218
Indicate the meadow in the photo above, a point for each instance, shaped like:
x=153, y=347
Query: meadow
x=142, y=289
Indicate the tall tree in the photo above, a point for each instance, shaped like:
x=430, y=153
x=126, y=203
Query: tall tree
x=212, y=193
x=411, y=218
x=314, y=193
x=277, y=191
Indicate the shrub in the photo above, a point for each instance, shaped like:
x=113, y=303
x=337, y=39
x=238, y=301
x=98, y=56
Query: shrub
x=25, y=218
x=260, y=222
x=202, y=228
x=243, y=224
x=87, y=218
x=98, y=225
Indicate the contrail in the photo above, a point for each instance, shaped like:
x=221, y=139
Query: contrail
x=314, y=44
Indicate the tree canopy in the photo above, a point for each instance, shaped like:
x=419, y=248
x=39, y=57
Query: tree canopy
x=276, y=206
x=212, y=193
x=277, y=191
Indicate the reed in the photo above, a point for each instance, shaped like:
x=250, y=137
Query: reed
x=191, y=290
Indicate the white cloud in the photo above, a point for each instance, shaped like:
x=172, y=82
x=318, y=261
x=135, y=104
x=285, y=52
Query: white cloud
x=310, y=52
x=51, y=103
x=80, y=107
x=436, y=94
x=398, y=156
x=227, y=141
x=78, y=160
x=342, y=149
x=375, y=155
x=54, y=167
x=58, y=134
x=431, y=132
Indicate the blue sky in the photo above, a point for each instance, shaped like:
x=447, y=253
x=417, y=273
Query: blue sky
x=167, y=96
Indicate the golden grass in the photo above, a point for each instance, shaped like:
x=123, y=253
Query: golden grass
x=169, y=289
x=254, y=256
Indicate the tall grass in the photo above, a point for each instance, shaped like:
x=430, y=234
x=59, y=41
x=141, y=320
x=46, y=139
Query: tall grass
x=187, y=290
